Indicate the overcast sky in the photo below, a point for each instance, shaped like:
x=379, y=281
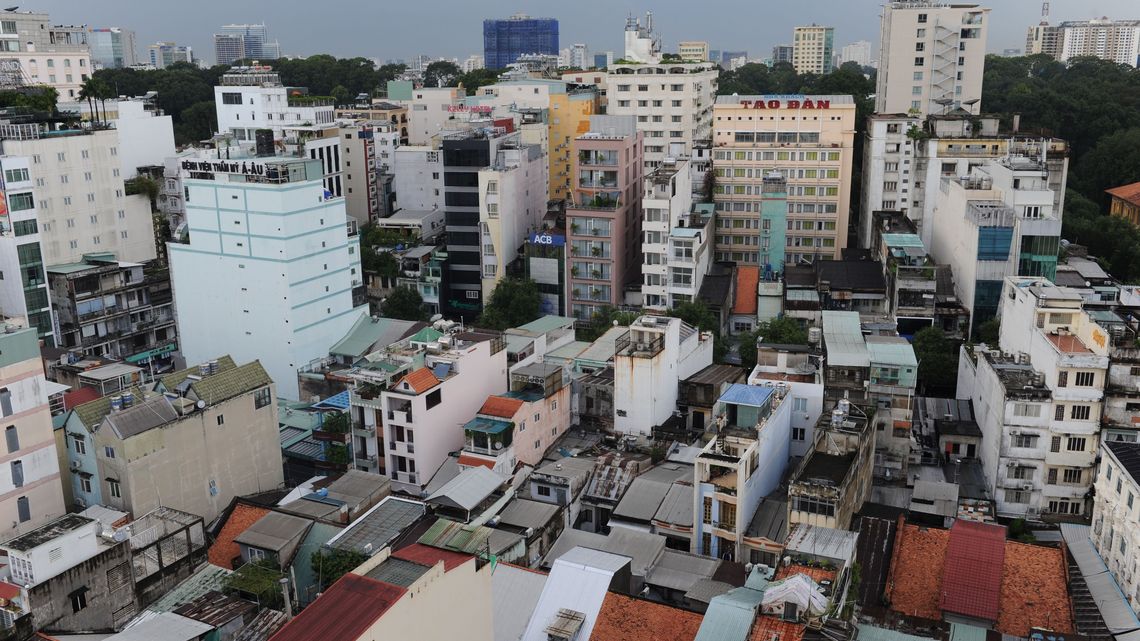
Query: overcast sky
x=386, y=29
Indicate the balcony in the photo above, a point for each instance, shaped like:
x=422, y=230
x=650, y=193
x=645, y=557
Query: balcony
x=598, y=158
x=397, y=416
x=648, y=348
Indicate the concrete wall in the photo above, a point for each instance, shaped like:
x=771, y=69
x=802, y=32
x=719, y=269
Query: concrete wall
x=108, y=582
x=463, y=594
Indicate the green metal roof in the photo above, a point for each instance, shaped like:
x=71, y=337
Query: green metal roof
x=873, y=633
x=426, y=335
x=449, y=535
x=547, y=324
x=486, y=425
x=891, y=350
x=902, y=240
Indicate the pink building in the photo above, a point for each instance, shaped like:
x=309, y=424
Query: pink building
x=604, y=215
x=520, y=425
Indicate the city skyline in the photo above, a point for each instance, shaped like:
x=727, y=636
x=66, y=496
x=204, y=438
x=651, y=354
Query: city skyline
x=599, y=27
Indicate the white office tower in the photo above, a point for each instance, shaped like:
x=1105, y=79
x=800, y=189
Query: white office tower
x=24, y=290
x=931, y=57
x=269, y=268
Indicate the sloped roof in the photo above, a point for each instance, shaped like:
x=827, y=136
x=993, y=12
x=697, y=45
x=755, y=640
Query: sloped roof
x=514, y=594
x=677, y=506
x=646, y=493
x=75, y=398
x=747, y=280
x=171, y=380
x=144, y=416
x=277, y=532
x=429, y=556
x=379, y=525
x=368, y=331
x=500, y=406
x=1129, y=193
x=93, y=412
x=1129, y=456
x=741, y=394
x=623, y=618
x=227, y=384
x=420, y=380
x=971, y=579
x=345, y=611
x=467, y=490
x=525, y=513
x=225, y=549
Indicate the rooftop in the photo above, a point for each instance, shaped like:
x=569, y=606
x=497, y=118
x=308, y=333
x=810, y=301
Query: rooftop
x=379, y=525
x=1129, y=456
x=751, y=395
x=276, y=532
x=624, y=618
x=843, y=338
x=47, y=532
x=418, y=381
x=747, y=279
x=224, y=549
x=1068, y=344
x=1033, y=590
x=500, y=406
x=645, y=494
x=344, y=611
x=1128, y=193
x=827, y=468
x=971, y=579
x=467, y=490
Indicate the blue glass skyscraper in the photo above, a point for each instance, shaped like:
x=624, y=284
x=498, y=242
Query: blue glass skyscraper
x=505, y=40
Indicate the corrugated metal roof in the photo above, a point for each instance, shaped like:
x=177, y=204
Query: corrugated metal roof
x=143, y=416
x=643, y=548
x=379, y=525
x=843, y=338
x=469, y=489
x=681, y=570
x=345, y=611
x=368, y=331
x=547, y=324
x=902, y=240
x=525, y=513
x=741, y=394
x=514, y=594
x=646, y=493
x=1114, y=609
x=166, y=626
x=875, y=633
x=578, y=583
x=971, y=580
x=822, y=542
x=891, y=350
x=730, y=615
x=677, y=507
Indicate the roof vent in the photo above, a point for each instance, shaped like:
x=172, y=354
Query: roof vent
x=565, y=626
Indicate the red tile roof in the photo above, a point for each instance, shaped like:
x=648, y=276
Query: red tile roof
x=472, y=461
x=623, y=618
x=1033, y=592
x=225, y=550
x=747, y=281
x=344, y=612
x=420, y=380
x=427, y=555
x=500, y=406
x=815, y=574
x=971, y=576
x=78, y=397
x=766, y=625
x=9, y=591
x=1068, y=343
x=1129, y=193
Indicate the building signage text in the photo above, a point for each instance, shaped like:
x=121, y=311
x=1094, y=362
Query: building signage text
x=791, y=103
x=478, y=109
x=549, y=240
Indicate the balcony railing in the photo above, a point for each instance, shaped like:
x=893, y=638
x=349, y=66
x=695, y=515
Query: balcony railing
x=641, y=349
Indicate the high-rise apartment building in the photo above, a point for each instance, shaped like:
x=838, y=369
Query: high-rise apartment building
x=676, y=243
x=782, y=54
x=1044, y=38
x=80, y=198
x=672, y=103
x=1113, y=40
x=23, y=287
x=512, y=202
x=579, y=56
x=813, y=49
x=857, y=52
x=112, y=48
x=931, y=57
x=505, y=40
x=31, y=490
x=163, y=54
x=270, y=266
x=604, y=214
x=808, y=142
x=57, y=56
x=244, y=42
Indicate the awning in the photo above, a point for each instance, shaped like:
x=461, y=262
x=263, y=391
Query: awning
x=487, y=425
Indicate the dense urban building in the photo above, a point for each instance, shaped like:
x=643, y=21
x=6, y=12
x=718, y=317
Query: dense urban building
x=24, y=286
x=931, y=57
x=505, y=40
x=813, y=49
x=1113, y=40
x=808, y=143
x=112, y=47
x=247, y=42
x=58, y=56
x=161, y=55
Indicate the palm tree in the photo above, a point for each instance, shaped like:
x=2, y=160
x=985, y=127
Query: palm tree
x=87, y=92
x=102, y=92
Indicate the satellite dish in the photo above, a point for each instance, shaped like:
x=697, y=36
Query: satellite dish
x=200, y=404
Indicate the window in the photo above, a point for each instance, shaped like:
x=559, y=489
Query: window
x=78, y=599
x=17, y=468
x=80, y=444
x=1059, y=414
x=1075, y=444
x=221, y=419
x=1085, y=379
x=16, y=175
x=1016, y=496
x=23, y=509
x=435, y=397
x=542, y=490
x=1027, y=409
x=13, y=438
x=115, y=489
x=109, y=451
x=1072, y=476
x=707, y=511
x=798, y=433
x=1062, y=379
x=84, y=484
x=261, y=398
x=1080, y=412
x=1025, y=440
x=1055, y=446
x=231, y=98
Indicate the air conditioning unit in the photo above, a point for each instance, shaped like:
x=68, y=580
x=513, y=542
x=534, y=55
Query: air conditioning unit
x=1011, y=464
x=1027, y=486
x=74, y=466
x=1014, y=432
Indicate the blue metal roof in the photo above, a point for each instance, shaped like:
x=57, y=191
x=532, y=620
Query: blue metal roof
x=335, y=402
x=741, y=394
x=486, y=425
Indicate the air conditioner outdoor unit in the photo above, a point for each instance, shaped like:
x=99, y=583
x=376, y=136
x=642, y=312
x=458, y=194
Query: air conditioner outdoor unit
x=1027, y=486
x=1014, y=432
x=74, y=466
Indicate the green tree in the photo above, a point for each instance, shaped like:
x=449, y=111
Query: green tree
x=782, y=331
x=476, y=78
x=513, y=302
x=441, y=73
x=1114, y=161
x=937, y=360
x=341, y=95
x=197, y=122
x=698, y=315
x=330, y=565
x=988, y=332
x=404, y=303
x=37, y=98
x=1115, y=241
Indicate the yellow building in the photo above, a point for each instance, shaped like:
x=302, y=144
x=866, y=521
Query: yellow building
x=1126, y=202
x=808, y=141
x=693, y=51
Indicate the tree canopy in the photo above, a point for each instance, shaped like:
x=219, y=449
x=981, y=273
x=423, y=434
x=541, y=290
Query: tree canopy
x=513, y=302
x=441, y=73
x=937, y=361
x=404, y=303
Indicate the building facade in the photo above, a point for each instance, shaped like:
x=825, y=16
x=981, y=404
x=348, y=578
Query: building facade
x=693, y=50
x=24, y=288
x=857, y=52
x=676, y=239
x=257, y=280
x=505, y=40
x=81, y=202
x=809, y=143
x=813, y=49
x=672, y=102
x=1116, y=522
x=244, y=42
x=931, y=57
x=604, y=217
x=512, y=202
x=112, y=48
x=1113, y=40
x=163, y=54
x=30, y=492
x=54, y=55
